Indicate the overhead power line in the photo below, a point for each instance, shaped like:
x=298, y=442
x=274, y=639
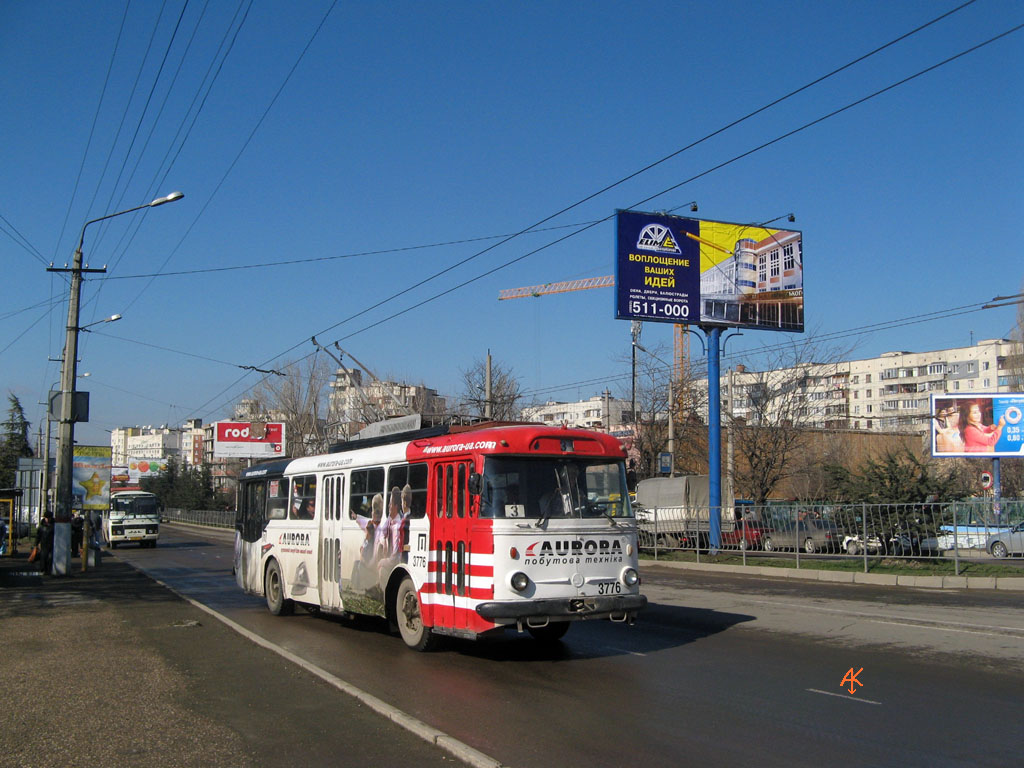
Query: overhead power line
x=734, y=159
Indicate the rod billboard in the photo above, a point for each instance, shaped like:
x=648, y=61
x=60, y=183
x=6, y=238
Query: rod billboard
x=676, y=269
x=253, y=440
x=980, y=425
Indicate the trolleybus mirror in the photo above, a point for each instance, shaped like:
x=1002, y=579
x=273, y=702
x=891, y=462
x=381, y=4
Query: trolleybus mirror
x=474, y=483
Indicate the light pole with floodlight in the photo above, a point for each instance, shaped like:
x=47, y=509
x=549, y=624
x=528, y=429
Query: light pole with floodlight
x=68, y=415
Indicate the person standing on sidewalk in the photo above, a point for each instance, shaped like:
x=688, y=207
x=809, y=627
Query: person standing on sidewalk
x=44, y=540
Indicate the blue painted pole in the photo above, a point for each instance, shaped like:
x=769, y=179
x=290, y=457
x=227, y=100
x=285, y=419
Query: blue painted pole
x=714, y=438
x=997, y=489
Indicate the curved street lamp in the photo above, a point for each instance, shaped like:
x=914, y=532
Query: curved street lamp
x=69, y=366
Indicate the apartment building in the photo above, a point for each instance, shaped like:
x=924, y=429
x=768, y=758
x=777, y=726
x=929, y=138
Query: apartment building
x=890, y=393
x=598, y=412
x=353, y=404
x=127, y=443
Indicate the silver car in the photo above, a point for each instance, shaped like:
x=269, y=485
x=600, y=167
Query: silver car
x=1007, y=542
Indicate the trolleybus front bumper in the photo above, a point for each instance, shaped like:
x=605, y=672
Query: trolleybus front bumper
x=571, y=608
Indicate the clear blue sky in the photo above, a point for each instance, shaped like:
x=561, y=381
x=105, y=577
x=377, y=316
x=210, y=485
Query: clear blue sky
x=411, y=124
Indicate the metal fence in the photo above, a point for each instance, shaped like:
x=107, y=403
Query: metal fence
x=967, y=529
x=208, y=517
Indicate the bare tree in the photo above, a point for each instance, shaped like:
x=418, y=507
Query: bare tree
x=299, y=399
x=685, y=401
x=506, y=392
x=776, y=406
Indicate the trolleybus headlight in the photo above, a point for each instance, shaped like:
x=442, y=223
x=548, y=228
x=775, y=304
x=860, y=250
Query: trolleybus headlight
x=630, y=577
x=520, y=581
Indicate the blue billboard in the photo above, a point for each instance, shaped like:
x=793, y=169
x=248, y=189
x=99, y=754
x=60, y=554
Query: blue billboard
x=675, y=269
x=658, y=268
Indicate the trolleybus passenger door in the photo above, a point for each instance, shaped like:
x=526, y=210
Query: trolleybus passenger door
x=297, y=541
x=332, y=489
x=451, y=546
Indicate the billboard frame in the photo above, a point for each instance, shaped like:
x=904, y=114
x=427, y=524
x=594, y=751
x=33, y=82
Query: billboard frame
x=708, y=273
x=949, y=439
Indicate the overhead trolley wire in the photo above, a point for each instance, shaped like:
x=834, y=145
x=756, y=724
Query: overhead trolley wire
x=92, y=128
x=719, y=166
x=764, y=145
x=245, y=146
x=615, y=184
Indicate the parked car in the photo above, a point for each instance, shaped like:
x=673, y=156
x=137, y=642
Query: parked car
x=896, y=544
x=746, y=535
x=812, y=535
x=1006, y=542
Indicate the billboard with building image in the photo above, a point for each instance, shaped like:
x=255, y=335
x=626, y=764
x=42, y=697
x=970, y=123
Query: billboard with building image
x=682, y=270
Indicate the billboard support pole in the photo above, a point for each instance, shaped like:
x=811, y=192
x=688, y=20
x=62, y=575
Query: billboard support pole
x=713, y=335
x=996, y=488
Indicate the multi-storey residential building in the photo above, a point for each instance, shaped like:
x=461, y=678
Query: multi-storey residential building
x=192, y=442
x=890, y=393
x=599, y=412
x=353, y=404
x=128, y=443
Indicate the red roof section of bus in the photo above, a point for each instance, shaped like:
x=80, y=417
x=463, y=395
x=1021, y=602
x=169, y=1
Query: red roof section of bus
x=519, y=439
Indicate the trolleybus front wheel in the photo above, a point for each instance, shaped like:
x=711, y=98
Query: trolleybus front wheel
x=410, y=618
x=552, y=632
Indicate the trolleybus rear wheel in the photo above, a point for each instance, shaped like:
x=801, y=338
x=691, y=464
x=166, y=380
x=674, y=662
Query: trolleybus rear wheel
x=409, y=618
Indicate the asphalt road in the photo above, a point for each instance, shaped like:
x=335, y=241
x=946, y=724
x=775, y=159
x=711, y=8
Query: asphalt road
x=721, y=668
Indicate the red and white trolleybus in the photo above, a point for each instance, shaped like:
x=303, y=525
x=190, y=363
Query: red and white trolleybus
x=447, y=531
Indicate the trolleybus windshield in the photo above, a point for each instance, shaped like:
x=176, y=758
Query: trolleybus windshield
x=560, y=488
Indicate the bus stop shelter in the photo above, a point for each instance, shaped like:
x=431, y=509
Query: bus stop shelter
x=8, y=497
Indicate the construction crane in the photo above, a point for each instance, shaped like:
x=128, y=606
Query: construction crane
x=681, y=336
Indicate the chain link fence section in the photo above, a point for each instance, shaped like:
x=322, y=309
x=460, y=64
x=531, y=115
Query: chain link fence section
x=209, y=517
x=954, y=530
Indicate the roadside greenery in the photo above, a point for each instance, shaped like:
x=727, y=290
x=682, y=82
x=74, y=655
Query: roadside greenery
x=182, y=487
x=14, y=443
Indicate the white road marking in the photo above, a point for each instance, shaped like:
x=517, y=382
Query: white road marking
x=844, y=696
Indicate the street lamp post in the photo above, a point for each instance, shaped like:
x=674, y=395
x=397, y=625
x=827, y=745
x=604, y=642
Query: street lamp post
x=69, y=366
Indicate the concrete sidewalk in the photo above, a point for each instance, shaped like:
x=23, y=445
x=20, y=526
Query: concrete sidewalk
x=109, y=668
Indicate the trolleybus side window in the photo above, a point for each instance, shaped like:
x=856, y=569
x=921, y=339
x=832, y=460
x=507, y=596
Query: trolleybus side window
x=449, y=482
x=277, y=500
x=252, y=520
x=303, y=498
x=364, y=484
x=411, y=479
x=460, y=488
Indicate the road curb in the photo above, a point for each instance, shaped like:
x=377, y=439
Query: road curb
x=438, y=738
x=1012, y=583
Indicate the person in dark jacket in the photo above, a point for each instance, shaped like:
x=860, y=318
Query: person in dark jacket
x=44, y=540
x=77, y=533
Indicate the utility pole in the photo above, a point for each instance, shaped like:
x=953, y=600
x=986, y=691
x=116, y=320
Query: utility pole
x=67, y=417
x=488, y=405
x=68, y=413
